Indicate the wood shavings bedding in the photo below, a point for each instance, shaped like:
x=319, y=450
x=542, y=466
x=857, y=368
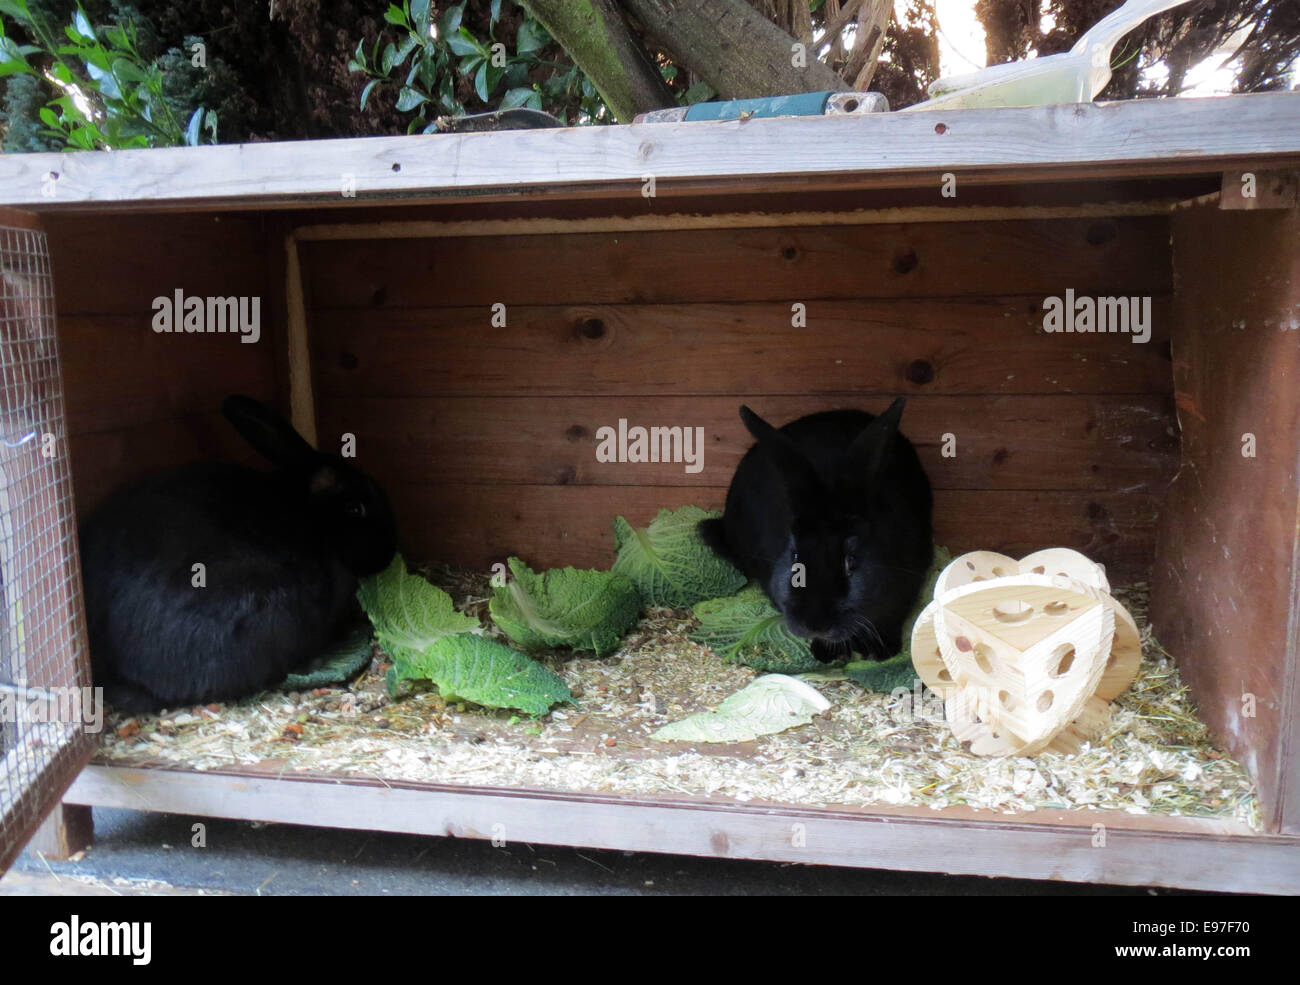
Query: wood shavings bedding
x=1155, y=757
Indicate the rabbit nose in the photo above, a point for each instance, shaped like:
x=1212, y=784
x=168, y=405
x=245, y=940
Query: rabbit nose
x=819, y=623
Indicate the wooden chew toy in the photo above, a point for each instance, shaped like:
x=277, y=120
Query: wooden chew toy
x=1026, y=654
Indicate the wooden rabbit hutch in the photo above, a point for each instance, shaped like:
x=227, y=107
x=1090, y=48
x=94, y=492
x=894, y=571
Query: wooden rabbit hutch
x=667, y=273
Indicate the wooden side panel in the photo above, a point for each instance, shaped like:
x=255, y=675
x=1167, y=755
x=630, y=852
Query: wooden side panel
x=1027, y=442
x=551, y=526
x=117, y=264
x=1225, y=599
x=127, y=376
x=486, y=434
x=934, y=260
x=138, y=400
x=966, y=346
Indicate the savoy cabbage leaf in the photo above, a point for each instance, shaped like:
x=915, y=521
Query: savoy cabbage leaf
x=883, y=675
x=340, y=662
x=474, y=668
x=669, y=563
x=746, y=628
x=582, y=609
x=419, y=628
x=407, y=611
x=772, y=703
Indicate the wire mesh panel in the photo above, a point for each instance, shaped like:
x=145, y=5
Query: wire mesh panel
x=48, y=711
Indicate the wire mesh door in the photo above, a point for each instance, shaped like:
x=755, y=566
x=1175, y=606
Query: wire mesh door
x=48, y=711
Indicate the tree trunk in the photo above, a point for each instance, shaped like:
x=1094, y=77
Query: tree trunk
x=732, y=47
x=596, y=36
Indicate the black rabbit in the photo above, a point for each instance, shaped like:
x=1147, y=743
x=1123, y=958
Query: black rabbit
x=831, y=515
x=280, y=553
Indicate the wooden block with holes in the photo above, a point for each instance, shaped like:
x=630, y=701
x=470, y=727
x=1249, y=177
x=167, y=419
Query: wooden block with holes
x=1027, y=654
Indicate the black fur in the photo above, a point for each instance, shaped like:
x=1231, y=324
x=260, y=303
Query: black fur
x=842, y=493
x=282, y=551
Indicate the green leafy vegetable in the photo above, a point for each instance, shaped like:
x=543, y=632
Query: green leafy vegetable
x=586, y=610
x=746, y=628
x=407, y=611
x=474, y=668
x=883, y=675
x=669, y=563
x=770, y=704
x=419, y=628
x=337, y=664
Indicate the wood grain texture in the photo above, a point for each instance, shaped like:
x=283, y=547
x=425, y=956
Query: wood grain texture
x=678, y=221
x=1010, y=442
x=1226, y=600
x=475, y=525
x=972, y=346
x=1126, y=256
x=486, y=435
x=139, y=401
x=1130, y=137
x=118, y=264
x=742, y=202
x=1176, y=852
x=122, y=374
x=19, y=219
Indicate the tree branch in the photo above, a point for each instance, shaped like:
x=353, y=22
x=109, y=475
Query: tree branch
x=835, y=25
x=596, y=36
x=732, y=47
x=873, y=22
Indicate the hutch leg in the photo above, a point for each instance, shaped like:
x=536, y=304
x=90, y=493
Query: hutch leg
x=69, y=829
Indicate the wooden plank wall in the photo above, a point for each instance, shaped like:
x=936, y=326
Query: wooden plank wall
x=1224, y=591
x=485, y=436
x=138, y=401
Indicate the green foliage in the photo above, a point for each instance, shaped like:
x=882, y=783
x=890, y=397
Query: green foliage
x=668, y=562
x=23, y=130
x=884, y=675
x=474, y=668
x=419, y=628
x=105, y=89
x=407, y=612
x=424, y=65
x=337, y=664
x=746, y=628
x=582, y=609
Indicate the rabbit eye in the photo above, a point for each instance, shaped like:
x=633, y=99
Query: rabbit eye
x=356, y=508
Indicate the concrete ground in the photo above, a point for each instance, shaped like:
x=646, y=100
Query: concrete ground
x=138, y=853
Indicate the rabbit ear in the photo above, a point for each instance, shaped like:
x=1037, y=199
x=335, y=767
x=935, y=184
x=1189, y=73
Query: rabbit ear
x=269, y=433
x=760, y=429
x=872, y=449
x=802, y=482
